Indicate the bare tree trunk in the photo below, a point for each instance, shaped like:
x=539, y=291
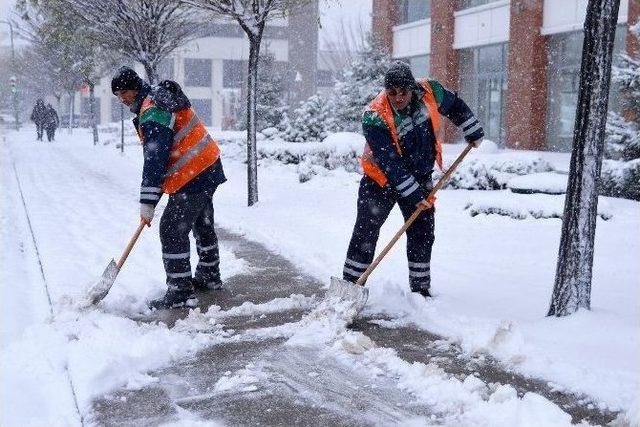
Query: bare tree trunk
x=572, y=289
x=92, y=111
x=151, y=71
x=252, y=154
x=72, y=98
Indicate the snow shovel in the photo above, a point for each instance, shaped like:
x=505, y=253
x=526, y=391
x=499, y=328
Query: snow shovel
x=102, y=287
x=355, y=293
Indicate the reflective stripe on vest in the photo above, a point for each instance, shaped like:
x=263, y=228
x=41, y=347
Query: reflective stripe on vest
x=193, y=149
x=382, y=107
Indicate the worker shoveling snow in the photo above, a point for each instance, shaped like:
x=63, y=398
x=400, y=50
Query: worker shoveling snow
x=346, y=298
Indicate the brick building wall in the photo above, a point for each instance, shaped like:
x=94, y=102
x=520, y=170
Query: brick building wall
x=527, y=77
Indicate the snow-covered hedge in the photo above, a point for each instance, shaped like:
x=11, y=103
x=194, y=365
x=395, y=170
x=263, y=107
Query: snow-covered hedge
x=493, y=172
x=620, y=178
x=521, y=206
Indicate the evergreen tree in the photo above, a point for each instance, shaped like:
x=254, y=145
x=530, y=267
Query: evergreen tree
x=313, y=120
x=270, y=102
x=342, y=109
x=621, y=178
x=359, y=84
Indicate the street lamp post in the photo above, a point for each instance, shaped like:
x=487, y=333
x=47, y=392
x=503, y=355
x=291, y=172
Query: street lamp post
x=13, y=79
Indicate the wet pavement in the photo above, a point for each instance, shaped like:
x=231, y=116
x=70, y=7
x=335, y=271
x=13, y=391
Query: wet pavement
x=284, y=385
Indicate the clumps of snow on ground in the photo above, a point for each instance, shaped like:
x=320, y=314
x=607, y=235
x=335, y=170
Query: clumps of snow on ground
x=523, y=206
x=468, y=402
x=196, y=320
x=243, y=380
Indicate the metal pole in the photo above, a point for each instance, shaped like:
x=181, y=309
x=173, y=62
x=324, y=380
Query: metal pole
x=13, y=66
x=121, y=128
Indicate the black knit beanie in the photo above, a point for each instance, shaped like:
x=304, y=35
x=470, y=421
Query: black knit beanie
x=126, y=79
x=400, y=76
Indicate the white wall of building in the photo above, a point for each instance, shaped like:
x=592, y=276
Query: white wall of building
x=412, y=39
x=482, y=25
x=561, y=16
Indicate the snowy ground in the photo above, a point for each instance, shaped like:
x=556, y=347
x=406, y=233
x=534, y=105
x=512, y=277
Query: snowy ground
x=492, y=277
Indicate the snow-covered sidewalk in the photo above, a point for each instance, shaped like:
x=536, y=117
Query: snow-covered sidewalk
x=492, y=276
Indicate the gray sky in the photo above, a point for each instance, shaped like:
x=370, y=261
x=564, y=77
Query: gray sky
x=354, y=13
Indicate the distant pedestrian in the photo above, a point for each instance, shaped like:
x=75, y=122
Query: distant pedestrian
x=51, y=122
x=38, y=116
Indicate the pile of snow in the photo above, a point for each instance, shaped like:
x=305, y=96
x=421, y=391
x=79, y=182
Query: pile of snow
x=544, y=182
x=522, y=206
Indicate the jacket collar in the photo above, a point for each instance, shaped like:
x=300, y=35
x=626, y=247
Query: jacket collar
x=142, y=94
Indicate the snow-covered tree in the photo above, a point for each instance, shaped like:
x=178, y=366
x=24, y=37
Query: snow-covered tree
x=621, y=174
x=252, y=16
x=145, y=31
x=359, y=84
x=342, y=110
x=312, y=120
x=572, y=289
x=70, y=56
x=271, y=100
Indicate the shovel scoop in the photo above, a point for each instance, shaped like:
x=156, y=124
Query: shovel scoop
x=343, y=290
x=101, y=288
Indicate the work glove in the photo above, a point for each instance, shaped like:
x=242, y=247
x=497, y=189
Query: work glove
x=146, y=213
x=476, y=143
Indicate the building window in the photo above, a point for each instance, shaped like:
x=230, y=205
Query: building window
x=165, y=70
x=466, y=4
x=233, y=73
x=563, y=85
x=197, y=72
x=483, y=84
x=325, y=78
x=414, y=10
x=419, y=66
x=202, y=107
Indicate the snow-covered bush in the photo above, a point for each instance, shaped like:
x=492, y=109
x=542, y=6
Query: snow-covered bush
x=312, y=121
x=493, y=172
x=521, y=206
x=620, y=176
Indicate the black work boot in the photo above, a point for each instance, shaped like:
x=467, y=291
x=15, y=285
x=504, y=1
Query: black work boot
x=176, y=297
x=202, y=285
x=422, y=291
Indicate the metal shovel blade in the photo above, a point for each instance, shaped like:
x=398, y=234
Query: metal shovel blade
x=355, y=295
x=102, y=286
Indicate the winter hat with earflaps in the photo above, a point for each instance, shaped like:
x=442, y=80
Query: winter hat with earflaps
x=399, y=75
x=125, y=79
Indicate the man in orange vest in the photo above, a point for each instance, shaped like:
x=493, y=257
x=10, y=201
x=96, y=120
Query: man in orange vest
x=403, y=131
x=182, y=160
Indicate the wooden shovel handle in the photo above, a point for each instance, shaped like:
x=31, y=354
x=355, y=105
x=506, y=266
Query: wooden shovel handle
x=132, y=242
x=415, y=215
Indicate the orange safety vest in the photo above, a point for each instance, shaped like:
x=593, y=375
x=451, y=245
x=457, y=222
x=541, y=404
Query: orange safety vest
x=382, y=107
x=193, y=149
